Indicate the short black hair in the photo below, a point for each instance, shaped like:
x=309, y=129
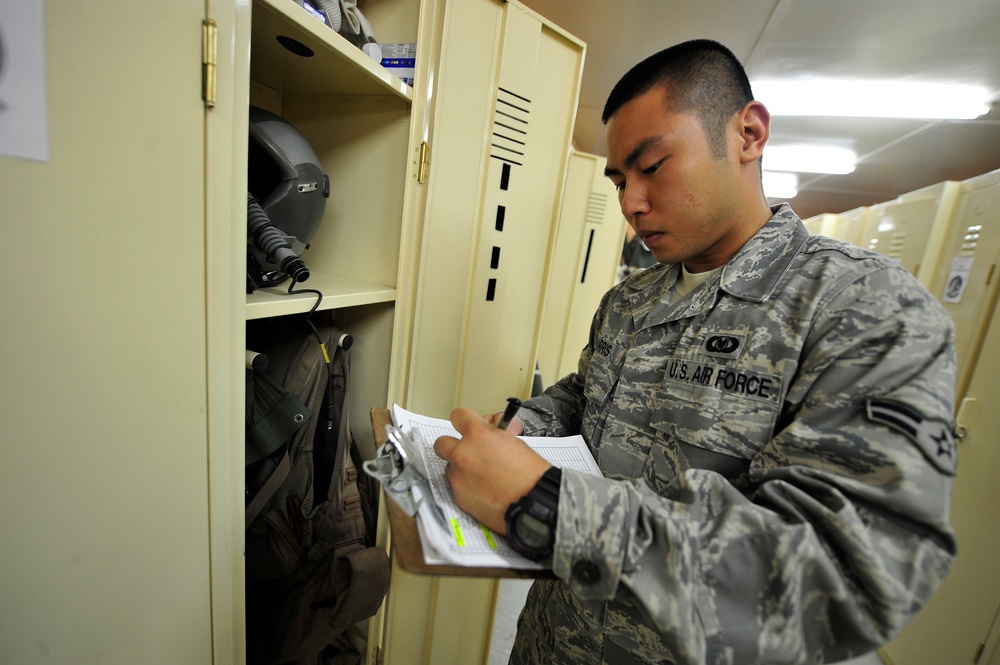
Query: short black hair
x=702, y=76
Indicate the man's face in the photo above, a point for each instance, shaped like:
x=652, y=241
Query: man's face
x=684, y=203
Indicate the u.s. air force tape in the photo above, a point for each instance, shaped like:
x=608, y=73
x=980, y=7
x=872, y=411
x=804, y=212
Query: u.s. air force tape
x=934, y=438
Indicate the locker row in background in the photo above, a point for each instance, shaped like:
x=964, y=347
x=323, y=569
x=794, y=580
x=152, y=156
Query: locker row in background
x=948, y=235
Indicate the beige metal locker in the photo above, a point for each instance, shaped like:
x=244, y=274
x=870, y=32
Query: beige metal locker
x=108, y=532
x=910, y=228
x=588, y=250
x=991, y=650
x=822, y=224
x=500, y=113
x=127, y=347
x=965, y=278
x=504, y=106
x=365, y=125
x=849, y=226
x=355, y=116
x=959, y=624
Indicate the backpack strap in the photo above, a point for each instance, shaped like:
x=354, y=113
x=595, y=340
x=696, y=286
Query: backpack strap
x=274, y=481
x=301, y=375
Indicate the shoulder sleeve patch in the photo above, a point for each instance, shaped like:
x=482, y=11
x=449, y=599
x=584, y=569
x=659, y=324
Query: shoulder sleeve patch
x=933, y=437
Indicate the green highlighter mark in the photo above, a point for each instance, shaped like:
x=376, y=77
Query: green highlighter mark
x=489, y=537
x=458, y=532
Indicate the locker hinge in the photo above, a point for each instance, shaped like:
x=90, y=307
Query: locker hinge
x=423, y=162
x=378, y=655
x=209, y=50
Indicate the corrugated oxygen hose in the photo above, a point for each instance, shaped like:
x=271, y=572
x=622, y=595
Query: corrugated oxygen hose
x=266, y=237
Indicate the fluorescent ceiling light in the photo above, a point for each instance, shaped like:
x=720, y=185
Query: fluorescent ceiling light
x=873, y=99
x=780, y=185
x=806, y=158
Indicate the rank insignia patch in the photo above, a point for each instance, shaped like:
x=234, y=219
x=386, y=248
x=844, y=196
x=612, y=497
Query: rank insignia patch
x=724, y=345
x=934, y=438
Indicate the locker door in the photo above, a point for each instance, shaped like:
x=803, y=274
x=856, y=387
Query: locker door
x=502, y=105
x=849, y=226
x=532, y=126
x=597, y=268
x=585, y=263
x=821, y=224
x=965, y=278
x=104, y=486
x=902, y=229
x=513, y=234
x=991, y=647
x=461, y=92
x=499, y=147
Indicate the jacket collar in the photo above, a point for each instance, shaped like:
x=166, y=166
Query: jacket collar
x=755, y=271
x=752, y=274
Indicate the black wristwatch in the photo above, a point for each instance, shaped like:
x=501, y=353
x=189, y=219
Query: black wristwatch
x=531, y=521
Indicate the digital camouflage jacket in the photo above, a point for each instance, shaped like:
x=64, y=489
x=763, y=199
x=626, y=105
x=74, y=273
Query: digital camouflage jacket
x=778, y=455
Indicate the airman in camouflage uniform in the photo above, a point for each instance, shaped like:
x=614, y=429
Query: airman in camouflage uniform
x=777, y=464
x=772, y=412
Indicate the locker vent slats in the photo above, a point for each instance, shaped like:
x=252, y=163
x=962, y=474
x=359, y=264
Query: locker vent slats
x=970, y=239
x=896, y=245
x=510, y=127
x=596, y=206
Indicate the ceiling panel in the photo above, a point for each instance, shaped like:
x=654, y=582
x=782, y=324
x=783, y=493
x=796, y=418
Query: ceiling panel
x=920, y=40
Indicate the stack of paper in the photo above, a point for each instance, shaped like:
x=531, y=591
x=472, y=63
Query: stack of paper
x=461, y=540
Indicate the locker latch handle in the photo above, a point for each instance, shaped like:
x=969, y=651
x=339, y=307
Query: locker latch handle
x=961, y=430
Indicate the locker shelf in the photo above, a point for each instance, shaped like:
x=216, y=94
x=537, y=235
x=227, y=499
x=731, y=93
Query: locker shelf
x=338, y=292
x=336, y=67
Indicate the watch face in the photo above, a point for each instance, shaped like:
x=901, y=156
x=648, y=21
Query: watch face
x=532, y=532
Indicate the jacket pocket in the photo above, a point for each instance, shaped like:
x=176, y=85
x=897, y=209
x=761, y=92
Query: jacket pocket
x=719, y=409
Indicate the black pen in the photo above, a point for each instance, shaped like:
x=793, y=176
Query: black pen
x=513, y=404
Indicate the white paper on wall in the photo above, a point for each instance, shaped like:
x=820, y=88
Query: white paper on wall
x=24, y=130
x=958, y=277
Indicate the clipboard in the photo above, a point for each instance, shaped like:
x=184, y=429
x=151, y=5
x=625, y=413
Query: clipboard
x=407, y=551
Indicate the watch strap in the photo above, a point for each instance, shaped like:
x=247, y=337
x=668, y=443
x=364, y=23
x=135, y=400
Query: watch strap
x=549, y=483
x=542, y=502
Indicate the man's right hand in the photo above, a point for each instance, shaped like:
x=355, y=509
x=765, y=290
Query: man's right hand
x=488, y=469
x=516, y=427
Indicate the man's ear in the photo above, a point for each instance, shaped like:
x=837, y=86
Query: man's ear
x=755, y=128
